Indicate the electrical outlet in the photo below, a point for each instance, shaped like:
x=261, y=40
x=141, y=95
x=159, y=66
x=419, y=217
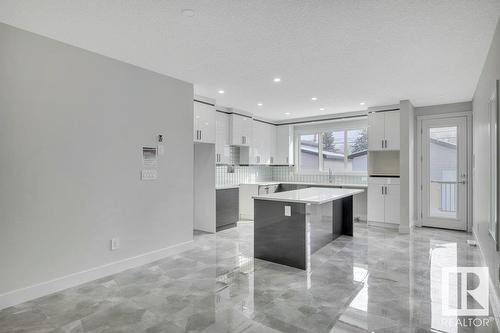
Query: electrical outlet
x=288, y=211
x=115, y=243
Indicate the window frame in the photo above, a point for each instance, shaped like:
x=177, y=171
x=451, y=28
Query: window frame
x=320, y=132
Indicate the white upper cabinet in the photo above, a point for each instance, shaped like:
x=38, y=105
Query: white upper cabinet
x=383, y=130
x=272, y=144
x=376, y=131
x=392, y=134
x=204, y=123
x=222, y=150
x=240, y=130
x=263, y=148
x=284, y=145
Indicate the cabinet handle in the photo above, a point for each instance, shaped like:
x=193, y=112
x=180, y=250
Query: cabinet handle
x=201, y=134
x=382, y=189
x=385, y=143
x=382, y=143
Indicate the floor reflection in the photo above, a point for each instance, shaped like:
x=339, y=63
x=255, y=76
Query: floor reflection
x=376, y=281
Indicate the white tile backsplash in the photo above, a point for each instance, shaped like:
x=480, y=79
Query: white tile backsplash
x=259, y=173
x=243, y=174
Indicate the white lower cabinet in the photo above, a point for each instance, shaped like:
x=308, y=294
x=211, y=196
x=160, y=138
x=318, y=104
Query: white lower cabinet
x=392, y=204
x=383, y=200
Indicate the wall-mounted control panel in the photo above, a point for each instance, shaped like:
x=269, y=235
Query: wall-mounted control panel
x=149, y=174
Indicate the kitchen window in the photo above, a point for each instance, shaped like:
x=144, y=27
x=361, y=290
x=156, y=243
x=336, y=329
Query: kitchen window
x=339, y=150
x=309, y=152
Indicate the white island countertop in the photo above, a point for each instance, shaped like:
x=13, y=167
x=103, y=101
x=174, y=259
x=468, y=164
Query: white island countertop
x=311, y=195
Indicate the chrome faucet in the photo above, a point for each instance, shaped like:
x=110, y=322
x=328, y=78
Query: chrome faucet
x=330, y=175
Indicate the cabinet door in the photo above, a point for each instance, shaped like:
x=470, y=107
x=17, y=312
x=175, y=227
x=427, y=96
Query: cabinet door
x=284, y=145
x=247, y=130
x=392, y=204
x=204, y=123
x=240, y=130
x=264, y=142
x=376, y=129
x=271, y=144
x=221, y=138
x=256, y=148
x=376, y=203
x=392, y=134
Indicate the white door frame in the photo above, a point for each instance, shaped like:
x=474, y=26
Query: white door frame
x=418, y=159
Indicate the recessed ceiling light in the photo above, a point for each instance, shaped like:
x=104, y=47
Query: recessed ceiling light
x=259, y=104
x=322, y=109
x=277, y=79
x=187, y=12
x=362, y=103
x=287, y=113
x=221, y=91
x=314, y=98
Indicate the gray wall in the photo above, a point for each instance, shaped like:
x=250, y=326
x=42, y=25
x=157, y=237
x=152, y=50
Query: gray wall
x=72, y=124
x=481, y=198
x=407, y=166
x=204, y=187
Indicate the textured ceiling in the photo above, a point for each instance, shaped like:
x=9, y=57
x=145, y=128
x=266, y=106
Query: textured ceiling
x=342, y=52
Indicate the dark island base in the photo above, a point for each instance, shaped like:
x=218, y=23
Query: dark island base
x=290, y=240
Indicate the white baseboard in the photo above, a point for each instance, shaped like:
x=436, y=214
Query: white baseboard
x=383, y=225
x=495, y=300
x=22, y=295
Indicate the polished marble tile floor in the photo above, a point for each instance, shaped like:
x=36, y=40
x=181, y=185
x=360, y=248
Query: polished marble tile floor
x=376, y=281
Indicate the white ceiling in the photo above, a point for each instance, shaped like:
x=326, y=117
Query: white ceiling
x=342, y=51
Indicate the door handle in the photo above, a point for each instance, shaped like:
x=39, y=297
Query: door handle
x=463, y=182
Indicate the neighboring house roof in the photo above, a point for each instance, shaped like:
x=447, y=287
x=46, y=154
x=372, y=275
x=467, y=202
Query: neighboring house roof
x=444, y=144
x=312, y=148
x=358, y=154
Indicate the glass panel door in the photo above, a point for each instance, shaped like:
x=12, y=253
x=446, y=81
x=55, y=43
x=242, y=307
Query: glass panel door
x=444, y=173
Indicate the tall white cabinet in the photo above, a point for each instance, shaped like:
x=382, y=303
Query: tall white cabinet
x=204, y=122
x=383, y=131
x=383, y=168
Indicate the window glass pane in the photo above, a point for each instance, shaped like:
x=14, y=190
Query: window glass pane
x=309, y=152
x=443, y=171
x=333, y=150
x=357, y=147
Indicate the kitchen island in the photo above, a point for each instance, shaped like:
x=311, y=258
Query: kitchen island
x=290, y=226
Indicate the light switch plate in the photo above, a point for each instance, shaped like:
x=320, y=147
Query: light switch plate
x=115, y=243
x=161, y=150
x=149, y=174
x=288, y=211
